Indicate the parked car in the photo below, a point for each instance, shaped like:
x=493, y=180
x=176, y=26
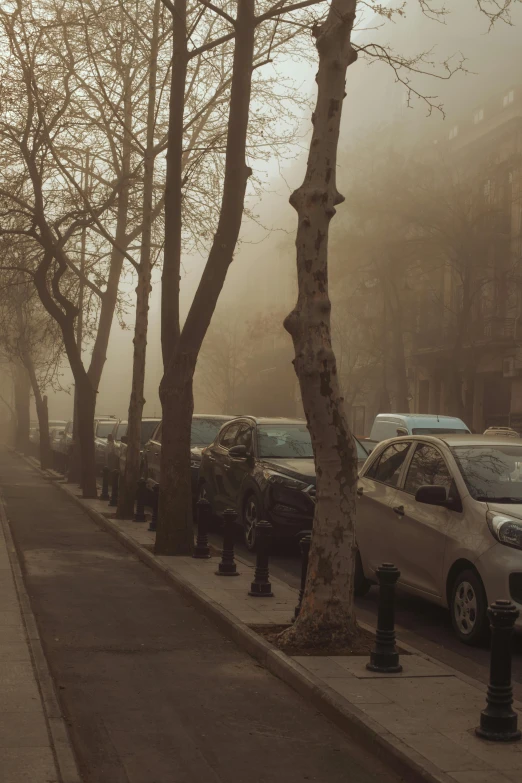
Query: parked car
x=203, y=431
x=55, y=436
x=390, y=425
x=103, y=428
x=64, y=445
x=120, y=441
x=447, y=511
x=263, y=468
x=504, y=432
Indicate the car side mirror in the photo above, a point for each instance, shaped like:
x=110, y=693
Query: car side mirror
x=124, y=439
x=238, y=452
x=432, y=495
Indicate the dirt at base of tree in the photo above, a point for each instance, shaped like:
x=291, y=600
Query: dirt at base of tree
x=362, y=644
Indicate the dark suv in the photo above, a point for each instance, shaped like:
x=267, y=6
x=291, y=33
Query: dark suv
x=263, y=468
x=204, y=429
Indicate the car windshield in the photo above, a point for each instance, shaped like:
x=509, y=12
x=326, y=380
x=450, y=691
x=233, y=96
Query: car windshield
x=361, y=451
x=492, y=472
x=204, y=431
x=438, y=431
x=147, y=428
x=284, y=440
x=104, y=428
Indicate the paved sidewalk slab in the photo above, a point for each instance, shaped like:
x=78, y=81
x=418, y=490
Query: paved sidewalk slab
x=428, y=712
x=26, y=754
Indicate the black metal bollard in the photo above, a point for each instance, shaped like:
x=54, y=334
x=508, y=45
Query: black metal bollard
x=155, y=504
x=105, y=484
x=204, y=513
x=141, y=494
x=304, y=545
x=227, y=567
x=499, y=722
x=115, y=486
x=261, y=587
x=384, y=656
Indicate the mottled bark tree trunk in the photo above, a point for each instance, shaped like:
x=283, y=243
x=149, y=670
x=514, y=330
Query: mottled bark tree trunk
x=327, y=612
x=180, y=351
x=129, y=483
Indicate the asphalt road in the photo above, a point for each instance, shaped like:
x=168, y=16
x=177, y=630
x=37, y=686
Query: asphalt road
x=419, y=623
x=152, y=691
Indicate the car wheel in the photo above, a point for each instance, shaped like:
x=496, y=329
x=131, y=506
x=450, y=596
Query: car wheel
x=361, y=585
x=251, y=515
x=468, y=608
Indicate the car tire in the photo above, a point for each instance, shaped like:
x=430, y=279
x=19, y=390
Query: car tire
x=361, y=585
x=468, y=608
x=250, y=514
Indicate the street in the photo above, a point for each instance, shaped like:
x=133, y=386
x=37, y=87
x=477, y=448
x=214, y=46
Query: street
x=151, y=690
x=419, y=623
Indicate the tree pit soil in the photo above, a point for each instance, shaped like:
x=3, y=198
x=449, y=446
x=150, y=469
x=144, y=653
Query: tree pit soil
x=361, y=645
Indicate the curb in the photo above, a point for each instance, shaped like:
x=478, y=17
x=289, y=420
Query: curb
x=59, y=736
x=411, y=766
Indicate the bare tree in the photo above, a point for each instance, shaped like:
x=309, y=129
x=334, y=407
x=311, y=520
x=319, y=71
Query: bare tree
x=181, y=346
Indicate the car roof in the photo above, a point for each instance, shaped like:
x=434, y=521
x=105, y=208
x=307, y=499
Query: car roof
x=420, y=418
x=218, y=416
x=458, y=440
x=271, y=419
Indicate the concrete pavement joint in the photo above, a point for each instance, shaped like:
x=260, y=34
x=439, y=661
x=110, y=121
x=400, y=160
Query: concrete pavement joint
x=61, y=744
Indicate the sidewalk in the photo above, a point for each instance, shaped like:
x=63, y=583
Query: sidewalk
x=26, y=747
x=153, y=691
x=424, y=718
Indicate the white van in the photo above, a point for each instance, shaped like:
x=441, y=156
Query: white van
x=390, y=425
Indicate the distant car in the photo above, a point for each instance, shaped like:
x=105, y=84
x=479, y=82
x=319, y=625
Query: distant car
x=203, y=431
x=391, y=425
x=264, y=469
x=120, y=441
x=447, y=511
x=102, y=429
x=55, y=436
x=502, y=432
x=64, y=445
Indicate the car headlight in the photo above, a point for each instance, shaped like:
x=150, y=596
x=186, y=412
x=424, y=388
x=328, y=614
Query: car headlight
x=286, y=481
x=506, y=530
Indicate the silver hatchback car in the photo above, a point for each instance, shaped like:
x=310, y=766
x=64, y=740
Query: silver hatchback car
x=447, y=511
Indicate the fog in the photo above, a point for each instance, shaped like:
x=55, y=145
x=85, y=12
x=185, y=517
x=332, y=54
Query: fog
x=261, y=279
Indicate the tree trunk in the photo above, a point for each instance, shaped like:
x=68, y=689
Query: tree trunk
x=22, y=395
x=180, y=351
x=86, y=397
x=129, y=482
x=327, y=614
x=46, y=456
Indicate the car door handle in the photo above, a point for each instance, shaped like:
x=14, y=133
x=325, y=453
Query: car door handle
x=399, y=510
x=360, y=491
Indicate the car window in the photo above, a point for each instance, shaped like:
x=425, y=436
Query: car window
x=104, y=428
x=204, y=431
x=244, y=436
x=387, y=468
x=427, y=467
x=492, y=472
x=287, y=441
x=147, y=431
x=122, y=430
x=157, y=435
x=227, y=437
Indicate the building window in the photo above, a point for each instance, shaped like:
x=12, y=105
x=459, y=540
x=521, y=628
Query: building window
x=478, y=116
x=454, y=132
x=509, y=97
